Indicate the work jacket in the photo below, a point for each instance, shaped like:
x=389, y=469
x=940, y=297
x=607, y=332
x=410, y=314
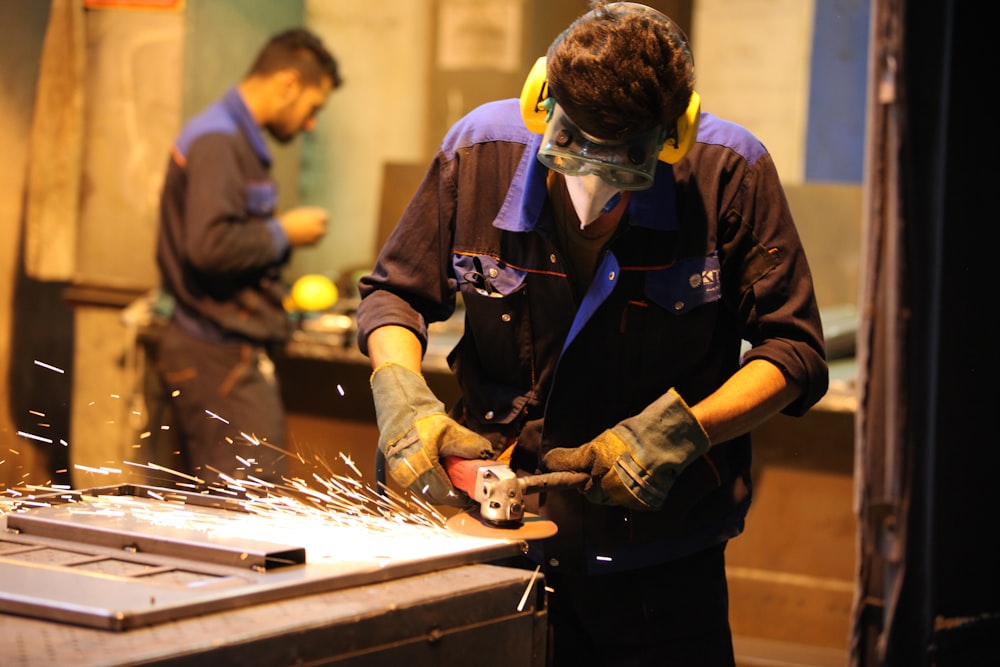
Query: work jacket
x=220, y=248
x=704, y=260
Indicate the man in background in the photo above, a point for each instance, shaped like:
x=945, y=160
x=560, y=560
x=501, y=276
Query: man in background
x=221, y=248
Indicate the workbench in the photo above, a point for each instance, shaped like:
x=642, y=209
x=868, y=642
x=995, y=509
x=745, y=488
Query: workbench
x=136, y=576
x=461, y=615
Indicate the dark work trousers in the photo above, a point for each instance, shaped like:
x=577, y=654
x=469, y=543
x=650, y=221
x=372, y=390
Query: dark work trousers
x=227, y=406
x=672, y=614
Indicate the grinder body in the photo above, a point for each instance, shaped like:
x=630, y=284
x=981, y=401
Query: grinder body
x=499, y=491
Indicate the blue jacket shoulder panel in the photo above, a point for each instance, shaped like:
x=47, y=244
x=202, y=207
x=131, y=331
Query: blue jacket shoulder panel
x=230, y=116
x=215, y=119
x=501, y=122
x=714, y=130
x=493, y=121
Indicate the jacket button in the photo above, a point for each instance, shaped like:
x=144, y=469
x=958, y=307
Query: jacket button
x=493, y=272
x=611, y=276
x=678, y=305
x=552, y=258
x=489, y=415
x=505, y=317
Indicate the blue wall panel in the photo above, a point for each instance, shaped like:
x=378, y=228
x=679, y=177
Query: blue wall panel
x=837, y=92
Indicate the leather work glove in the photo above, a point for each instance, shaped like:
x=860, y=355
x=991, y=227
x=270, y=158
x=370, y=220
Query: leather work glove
x=415, y=433
x=634, y=463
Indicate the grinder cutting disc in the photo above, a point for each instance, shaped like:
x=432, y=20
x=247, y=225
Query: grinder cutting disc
x=532, y=527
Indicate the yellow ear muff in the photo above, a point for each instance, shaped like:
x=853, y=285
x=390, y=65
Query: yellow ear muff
x=677, y=146
x=534, y=92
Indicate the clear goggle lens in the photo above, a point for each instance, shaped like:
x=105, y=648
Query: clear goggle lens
x=628, y=165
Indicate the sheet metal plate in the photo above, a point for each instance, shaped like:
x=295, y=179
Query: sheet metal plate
x=139, y=524
x=114, y=561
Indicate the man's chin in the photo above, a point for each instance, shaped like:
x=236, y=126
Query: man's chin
x=280, y=137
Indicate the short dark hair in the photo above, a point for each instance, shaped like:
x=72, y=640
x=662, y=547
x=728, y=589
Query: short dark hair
x=301, y=50
x=620, y=69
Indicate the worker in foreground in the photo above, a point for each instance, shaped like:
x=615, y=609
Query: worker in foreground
x=613, y=246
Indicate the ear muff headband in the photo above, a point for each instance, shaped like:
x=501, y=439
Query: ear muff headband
x=535, y=114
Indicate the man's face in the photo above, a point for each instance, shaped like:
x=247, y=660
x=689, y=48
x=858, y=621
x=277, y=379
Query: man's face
x=298, y=113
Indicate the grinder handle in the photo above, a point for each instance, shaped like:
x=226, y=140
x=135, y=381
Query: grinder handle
x=553, y=480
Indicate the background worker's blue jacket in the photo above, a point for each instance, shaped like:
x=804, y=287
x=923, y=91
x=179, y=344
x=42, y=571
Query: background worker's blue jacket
x=220, y=248
x=705, y=259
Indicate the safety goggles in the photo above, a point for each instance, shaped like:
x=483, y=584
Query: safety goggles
x=628, y=165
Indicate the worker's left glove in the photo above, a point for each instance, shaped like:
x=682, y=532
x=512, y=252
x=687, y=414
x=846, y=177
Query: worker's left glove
x=634, y=463
x=415, y=434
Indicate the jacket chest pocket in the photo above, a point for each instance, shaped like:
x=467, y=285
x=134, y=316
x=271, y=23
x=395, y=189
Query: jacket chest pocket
x=496, y=323
x=261, y=198
x=485, y=276
x=686, y=284
x=669, y=325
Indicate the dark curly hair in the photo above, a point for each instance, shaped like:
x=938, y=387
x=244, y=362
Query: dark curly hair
x=620, y=69
x=301, y=50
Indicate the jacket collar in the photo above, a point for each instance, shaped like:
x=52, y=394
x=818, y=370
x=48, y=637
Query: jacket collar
x=240, y=113
x=522, y=207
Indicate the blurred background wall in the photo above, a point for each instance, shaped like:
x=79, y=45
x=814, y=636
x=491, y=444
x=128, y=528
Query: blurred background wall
x=122, y=76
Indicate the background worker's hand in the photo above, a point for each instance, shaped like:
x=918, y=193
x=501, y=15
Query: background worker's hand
x=304, y=225
x=634, y=463
x=415, y=434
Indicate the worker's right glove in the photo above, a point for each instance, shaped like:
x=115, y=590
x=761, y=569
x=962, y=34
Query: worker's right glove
x=415, y=434
x=634, y=463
